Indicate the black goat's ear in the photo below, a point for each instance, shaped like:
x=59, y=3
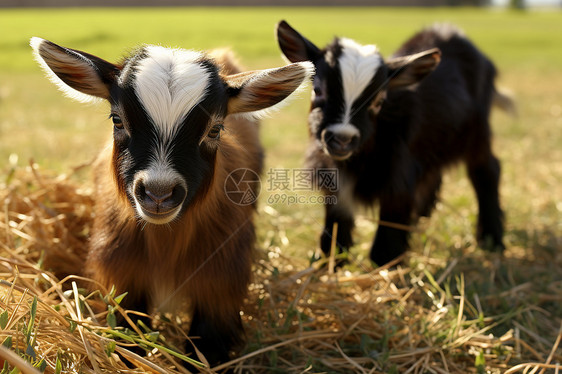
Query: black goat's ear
x=294, y=46
x=79, y=75
x=408, y=70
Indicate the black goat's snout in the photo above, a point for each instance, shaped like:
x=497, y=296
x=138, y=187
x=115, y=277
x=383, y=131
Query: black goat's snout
x=340, y=143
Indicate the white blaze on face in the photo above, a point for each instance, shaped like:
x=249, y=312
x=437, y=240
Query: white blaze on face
x=358, y=65
x=170, y=83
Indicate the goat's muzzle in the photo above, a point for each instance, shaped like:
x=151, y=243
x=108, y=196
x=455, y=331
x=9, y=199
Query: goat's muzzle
x=159, y=201
x=338, y=142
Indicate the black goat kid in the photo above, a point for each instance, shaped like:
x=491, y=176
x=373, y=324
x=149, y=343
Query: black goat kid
x=391, y=133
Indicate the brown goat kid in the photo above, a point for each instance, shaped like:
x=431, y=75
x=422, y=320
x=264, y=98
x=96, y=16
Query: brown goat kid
x=164, y=229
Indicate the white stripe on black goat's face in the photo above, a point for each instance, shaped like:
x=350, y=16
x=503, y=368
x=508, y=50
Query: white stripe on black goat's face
x=348, y=77
x=168, y=108
x=350, y=86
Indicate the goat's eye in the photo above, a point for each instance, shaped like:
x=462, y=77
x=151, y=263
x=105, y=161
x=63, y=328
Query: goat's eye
x=215, y=131
x=117, y=122
x=317, y=92
x=317, y=97
x=379, y=102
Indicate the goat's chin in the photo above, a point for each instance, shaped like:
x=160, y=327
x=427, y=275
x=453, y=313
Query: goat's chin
x=337, y=156
x=158, y=219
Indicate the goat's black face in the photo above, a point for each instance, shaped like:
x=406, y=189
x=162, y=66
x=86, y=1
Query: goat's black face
x=350, y=86
x=349, y=80
x=169, y=130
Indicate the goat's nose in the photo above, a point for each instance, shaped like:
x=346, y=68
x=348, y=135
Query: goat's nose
x=342, y=139
x=159, y=196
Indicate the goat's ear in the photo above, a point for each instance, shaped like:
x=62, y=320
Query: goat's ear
x=406, y=71
x=258, y=90
x=295, y=46
x=79, y=75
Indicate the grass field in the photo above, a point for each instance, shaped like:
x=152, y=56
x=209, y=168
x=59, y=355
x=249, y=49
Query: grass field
x=518, y=294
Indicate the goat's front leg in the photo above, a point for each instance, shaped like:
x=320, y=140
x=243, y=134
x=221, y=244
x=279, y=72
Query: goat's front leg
x=484, y=174
x=216, y=292
x=345, y=220
x=391, y=239
x=214, y=339
x=341, y=212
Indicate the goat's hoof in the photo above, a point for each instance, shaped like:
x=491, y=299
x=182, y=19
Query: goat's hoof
x=490, y=244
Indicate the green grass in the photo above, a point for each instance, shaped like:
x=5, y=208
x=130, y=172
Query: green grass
x=507, y=36
x=37, y=122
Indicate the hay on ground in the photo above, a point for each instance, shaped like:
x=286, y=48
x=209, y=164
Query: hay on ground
x=298, y=319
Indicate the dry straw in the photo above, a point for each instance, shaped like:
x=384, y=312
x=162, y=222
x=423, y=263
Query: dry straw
x=298, y=319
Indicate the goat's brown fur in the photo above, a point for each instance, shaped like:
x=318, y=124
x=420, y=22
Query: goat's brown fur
x=179, y=260
x=165, y=230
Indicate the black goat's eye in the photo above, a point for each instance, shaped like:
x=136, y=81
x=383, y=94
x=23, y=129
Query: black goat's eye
x=317, y=92
x=117, y=122
x=215, y=131
x=318, y=100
